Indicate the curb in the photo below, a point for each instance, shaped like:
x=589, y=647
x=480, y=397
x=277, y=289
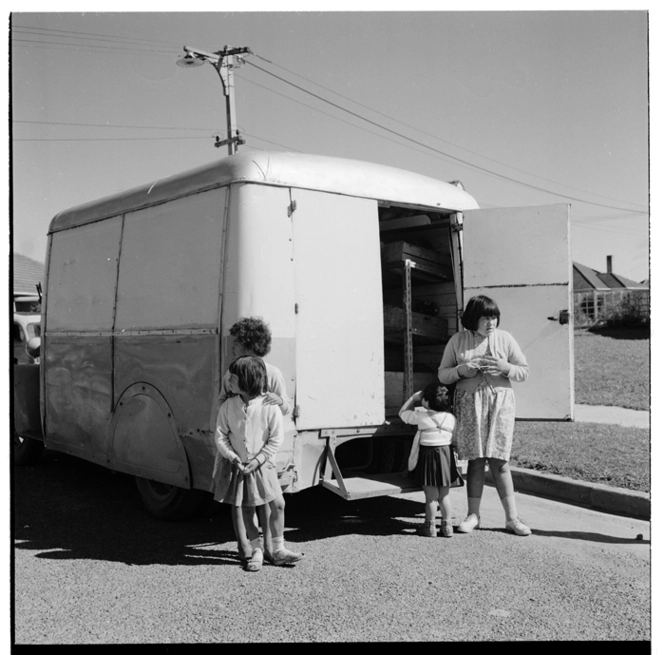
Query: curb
x=634, y=504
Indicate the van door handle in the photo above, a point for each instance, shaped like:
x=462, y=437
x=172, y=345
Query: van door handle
x=562, y=318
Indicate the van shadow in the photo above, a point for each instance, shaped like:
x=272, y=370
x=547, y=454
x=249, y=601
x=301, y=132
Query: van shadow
x=65, y=508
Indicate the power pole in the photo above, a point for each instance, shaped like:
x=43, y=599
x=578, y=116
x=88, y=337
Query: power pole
x=223, y=61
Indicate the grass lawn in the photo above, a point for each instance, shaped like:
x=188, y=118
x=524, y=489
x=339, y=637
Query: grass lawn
x=592, y=452
x=612, y=368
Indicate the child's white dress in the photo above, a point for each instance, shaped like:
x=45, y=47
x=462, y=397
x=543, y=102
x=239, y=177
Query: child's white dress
x=246, y=431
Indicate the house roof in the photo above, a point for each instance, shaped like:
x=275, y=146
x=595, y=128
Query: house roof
x=26, y=273
x=588, y=278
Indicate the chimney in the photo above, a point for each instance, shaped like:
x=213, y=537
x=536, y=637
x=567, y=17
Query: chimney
x=609, y=266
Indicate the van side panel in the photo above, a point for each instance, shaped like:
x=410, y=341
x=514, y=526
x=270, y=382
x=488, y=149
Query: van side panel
x=166, y=333
x=259, y=278
x=82, y=275
x=77, y=345
x=171, y=262
x=181, y=369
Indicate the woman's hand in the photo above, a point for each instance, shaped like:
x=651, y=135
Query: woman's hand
x=495, y=365
x=272, y=399
x=469, y=369
x=417, y=396
x=239, y=465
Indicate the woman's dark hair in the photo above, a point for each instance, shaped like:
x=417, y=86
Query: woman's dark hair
x=438, y=397
x=251, y=374
x=477, y=307
x=254, y=334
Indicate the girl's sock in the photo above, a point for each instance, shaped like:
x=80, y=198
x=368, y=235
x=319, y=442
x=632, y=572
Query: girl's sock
x=474, y=506
x=256, y=543
x=509, y=505
x=277, y=544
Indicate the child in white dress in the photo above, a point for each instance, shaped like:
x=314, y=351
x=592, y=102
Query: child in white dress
x=249, y=434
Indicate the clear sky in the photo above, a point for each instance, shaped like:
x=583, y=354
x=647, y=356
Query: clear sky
x=525, y=108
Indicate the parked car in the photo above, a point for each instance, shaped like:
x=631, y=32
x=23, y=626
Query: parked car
x=27, y=440
x=26, y=338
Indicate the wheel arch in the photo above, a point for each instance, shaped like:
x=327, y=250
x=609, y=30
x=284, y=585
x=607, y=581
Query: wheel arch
x=144, y=438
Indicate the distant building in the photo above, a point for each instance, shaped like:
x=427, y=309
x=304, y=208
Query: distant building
x=26, y=274
x=597, y=296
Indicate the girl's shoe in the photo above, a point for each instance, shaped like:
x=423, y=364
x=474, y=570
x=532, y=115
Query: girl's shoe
x=471, y=522
x=285, y=556
x=427, y=529
x=518, y=527
x=446, y=529
x=256, y=562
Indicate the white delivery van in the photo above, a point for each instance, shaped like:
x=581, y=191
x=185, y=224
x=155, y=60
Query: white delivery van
x=360, y=270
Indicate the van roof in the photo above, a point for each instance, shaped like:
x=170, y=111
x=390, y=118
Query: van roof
x=314, y=172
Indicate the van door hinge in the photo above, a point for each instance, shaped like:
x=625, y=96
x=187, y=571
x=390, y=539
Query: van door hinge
x=297, y=308
x=292, y=207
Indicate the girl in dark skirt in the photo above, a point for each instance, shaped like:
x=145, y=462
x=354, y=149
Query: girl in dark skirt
x=432, y=458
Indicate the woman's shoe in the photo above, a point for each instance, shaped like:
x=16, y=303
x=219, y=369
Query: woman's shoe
x=427, y=529
x=471, y=522
x=518, y=527
x=446, y=529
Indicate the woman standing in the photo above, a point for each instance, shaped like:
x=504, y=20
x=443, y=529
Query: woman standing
x=483, y=361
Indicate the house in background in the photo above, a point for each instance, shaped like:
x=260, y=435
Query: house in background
x=26, y=275
x=600, y=296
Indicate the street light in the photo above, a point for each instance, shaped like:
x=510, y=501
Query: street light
x=223, y=61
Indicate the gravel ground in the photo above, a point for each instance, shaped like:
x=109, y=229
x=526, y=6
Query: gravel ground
x=92, y=568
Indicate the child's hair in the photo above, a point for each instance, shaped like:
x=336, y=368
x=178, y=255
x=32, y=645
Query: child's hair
x=438, y=397
x=251, y=374
x=477, y=307
x=254, y=334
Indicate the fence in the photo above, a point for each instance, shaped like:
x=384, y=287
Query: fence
x=593, y=307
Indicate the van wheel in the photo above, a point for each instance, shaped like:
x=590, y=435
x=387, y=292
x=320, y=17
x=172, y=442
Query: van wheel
x=26, y=451
x=169, y=503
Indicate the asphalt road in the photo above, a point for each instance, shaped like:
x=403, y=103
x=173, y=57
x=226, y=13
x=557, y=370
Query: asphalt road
x=91, y=568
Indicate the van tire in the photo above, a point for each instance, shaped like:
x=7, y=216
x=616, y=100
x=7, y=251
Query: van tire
x=168, y=503
x=26, y=451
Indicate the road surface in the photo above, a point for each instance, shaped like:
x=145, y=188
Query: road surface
x=92, y=568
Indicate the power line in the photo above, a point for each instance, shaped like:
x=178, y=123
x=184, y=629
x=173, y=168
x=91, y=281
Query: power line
x=94, y=48
x=337, y=118
x=137, y=127
x=274, y=143
x=121, y=40
x=51, y=31
x=137, y=138
x=424, y=145
x=433, y=136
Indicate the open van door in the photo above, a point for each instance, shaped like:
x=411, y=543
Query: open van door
x=521, y=258
x=339, y=323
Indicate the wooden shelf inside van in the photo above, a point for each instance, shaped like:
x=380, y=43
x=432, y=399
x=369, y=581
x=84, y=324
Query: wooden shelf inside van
x=425, y=263
x=431, y=327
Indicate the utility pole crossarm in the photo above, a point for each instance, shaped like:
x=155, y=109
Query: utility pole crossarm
x=223, y=64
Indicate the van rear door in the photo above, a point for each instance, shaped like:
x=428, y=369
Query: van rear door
x=521, y=258
x=339, y=311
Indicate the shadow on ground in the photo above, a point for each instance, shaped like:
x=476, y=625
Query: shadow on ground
x=622, y=332
x=67, y=508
